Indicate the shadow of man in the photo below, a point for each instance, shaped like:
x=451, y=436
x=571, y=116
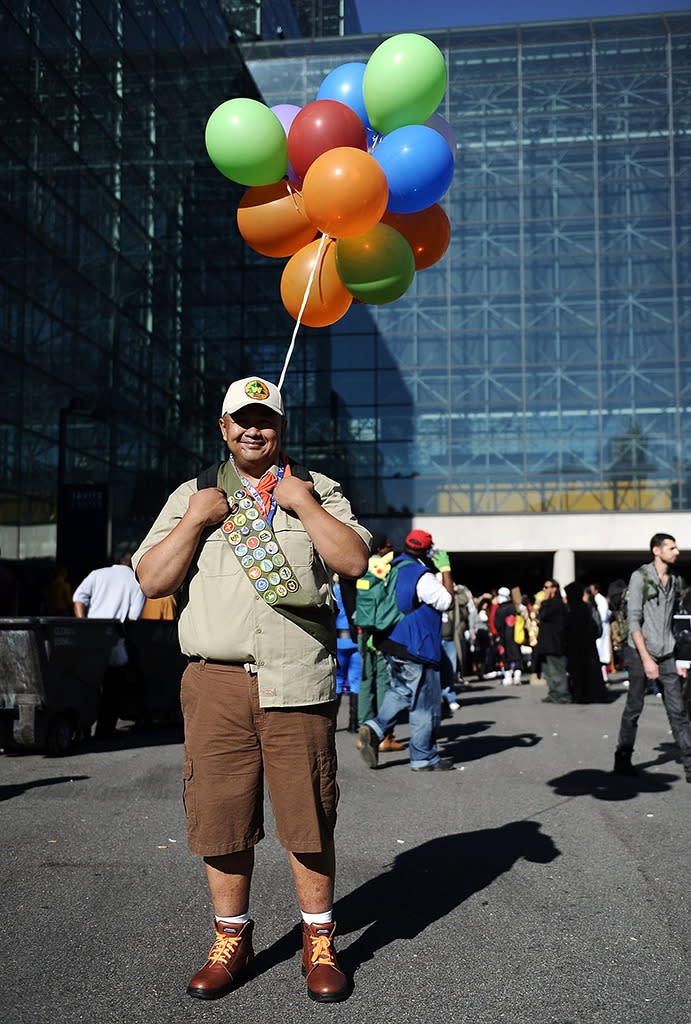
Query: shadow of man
x=416, y=891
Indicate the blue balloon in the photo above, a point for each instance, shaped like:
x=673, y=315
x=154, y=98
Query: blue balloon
x=344, y=84
x=418, y=164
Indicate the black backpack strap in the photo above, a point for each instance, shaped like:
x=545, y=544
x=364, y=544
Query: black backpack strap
x=208, y=477
x=302, y=473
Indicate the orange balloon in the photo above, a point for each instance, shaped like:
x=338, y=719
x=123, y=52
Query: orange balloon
x=328, y=298
x=345, y=192
x=271, y=219
x=427, y=232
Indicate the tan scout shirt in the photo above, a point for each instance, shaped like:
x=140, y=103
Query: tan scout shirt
x=223, y=618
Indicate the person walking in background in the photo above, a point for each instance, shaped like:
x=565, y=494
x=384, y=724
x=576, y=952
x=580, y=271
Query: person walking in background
x=161, y=608
x=551, y=644
x=454, y=624
x=413, y=650
x=653, y=594
x=348, y=663
x=57, y=595
x=582, y=660
x=604, y=641
x=482, y=640
x=112, y=593
x=505, y=625
x=375, y=678
x=249, y=542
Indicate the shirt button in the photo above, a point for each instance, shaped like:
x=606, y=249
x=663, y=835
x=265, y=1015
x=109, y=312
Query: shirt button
x=258, y=629
x=260, y=664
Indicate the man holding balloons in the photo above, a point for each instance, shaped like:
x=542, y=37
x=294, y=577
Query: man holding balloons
x=249, y=542
x=347, y=186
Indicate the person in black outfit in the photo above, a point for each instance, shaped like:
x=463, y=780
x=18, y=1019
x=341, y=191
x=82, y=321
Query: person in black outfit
x=582, y=658
x=551, y=644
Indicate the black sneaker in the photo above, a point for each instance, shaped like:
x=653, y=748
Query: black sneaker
x=622, y=763
x=444, y=764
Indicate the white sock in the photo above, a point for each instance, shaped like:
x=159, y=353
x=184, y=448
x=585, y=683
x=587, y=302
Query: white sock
x=325, y=918
x=236, y=919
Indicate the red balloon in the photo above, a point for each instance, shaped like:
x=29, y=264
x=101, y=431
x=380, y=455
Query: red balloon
x=320, y=126
x=427, y=232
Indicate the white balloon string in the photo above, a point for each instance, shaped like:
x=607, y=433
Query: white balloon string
x=316, y=264
x=293, y=192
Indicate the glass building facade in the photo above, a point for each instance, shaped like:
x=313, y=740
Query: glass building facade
x=121, y=271
x=541, y=367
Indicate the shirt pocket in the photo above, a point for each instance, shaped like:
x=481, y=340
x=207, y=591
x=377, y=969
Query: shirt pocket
x=217, y=557
x=296, y=545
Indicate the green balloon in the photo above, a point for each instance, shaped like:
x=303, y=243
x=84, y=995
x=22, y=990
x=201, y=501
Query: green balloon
x=376, y=267
x=247, y=142
x=404, y=81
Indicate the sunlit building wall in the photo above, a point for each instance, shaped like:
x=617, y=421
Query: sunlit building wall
x=541, y=368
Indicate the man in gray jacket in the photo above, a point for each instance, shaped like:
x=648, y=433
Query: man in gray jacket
x=652, y=595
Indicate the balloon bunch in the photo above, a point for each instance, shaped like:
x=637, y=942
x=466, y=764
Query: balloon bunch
x=362, y=166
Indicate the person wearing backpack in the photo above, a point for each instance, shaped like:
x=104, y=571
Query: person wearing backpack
x=652, y=595
x=250, y=549
x=375, y=678
x=412, y=647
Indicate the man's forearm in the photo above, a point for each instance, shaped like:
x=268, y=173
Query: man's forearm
x=639, y=644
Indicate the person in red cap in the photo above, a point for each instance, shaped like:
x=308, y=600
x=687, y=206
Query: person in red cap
x=413, y=652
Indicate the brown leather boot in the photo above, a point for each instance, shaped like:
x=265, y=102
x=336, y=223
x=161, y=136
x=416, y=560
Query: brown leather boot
x=326, y=982
x=229, y=960
x=390, y=743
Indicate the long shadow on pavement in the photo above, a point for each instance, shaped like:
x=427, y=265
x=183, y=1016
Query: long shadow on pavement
x=607, y=786
x=416, y=891
x=17, y=788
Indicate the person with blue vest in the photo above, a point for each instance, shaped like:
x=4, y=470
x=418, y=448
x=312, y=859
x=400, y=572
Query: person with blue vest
x=413, y=651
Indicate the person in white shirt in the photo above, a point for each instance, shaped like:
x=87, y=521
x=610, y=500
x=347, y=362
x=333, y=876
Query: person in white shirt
x=603, y=642
x=111, y=593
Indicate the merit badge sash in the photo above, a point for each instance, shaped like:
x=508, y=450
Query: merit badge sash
x=249, y=532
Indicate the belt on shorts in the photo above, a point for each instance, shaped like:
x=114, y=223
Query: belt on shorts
x=215, y=661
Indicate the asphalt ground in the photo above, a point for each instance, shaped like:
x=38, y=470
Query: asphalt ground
x=529, y=885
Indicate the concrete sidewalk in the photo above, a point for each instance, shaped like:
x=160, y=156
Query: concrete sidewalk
x=529, y=886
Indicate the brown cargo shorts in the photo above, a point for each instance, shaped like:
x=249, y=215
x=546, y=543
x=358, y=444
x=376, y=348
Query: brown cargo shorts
x=231, y=745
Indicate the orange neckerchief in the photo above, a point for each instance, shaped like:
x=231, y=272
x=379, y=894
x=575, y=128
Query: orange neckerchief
x=265, y=487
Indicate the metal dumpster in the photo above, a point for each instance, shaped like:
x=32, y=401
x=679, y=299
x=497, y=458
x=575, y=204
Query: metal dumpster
x=51, y=675
x=157, y=665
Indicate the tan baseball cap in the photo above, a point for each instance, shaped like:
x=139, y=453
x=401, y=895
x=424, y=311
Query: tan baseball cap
x=250, y=390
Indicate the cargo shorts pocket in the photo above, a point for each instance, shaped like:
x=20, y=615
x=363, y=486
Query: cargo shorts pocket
x=188, y=795
x=328, y=787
